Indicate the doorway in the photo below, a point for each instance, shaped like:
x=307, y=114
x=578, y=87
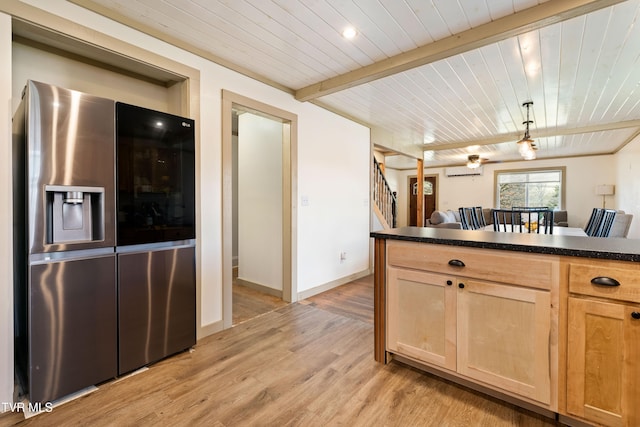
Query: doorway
x=257, y=214
x=258, y=200
x=430, y=194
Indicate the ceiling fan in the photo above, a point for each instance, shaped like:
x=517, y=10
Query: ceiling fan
x=474, y=161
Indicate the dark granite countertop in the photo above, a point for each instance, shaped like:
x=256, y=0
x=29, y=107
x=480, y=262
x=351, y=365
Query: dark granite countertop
x=589, y=247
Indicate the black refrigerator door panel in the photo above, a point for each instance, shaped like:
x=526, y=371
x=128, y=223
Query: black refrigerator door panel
x=155, y=176
x=157, y=301
x=73, y=326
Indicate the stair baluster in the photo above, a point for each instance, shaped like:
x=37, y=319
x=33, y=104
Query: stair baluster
x=384, y=197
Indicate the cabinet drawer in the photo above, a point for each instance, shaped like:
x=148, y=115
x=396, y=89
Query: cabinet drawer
x=517, y=268
x=626, y=274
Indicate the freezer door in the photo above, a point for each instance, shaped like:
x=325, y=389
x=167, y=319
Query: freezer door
x=157, y=305
x=73, y=326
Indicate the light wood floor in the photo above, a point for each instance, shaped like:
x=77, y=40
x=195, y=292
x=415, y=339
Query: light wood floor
x=249, y=303
x=305, y=364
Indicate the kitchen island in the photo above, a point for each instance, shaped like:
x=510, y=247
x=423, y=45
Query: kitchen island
x=493, y=311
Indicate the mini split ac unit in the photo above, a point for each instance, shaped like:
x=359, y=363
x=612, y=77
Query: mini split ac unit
x=463, y=171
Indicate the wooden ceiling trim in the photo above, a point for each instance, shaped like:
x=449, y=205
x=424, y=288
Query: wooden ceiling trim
x=540, y=133
x=534, y=18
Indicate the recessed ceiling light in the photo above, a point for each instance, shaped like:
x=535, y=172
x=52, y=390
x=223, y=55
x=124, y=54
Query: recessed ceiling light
x=532, y=68
x=349, y=33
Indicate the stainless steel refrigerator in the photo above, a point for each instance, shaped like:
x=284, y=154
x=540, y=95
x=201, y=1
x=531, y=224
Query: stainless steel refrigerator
x=78, y=295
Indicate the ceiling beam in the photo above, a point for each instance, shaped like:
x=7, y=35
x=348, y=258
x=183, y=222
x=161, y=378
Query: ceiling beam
x=534, y=18
x=628, y=140
x=538, y=133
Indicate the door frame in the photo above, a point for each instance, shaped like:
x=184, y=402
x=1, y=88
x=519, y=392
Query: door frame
x=231, y=100
x=408, y=187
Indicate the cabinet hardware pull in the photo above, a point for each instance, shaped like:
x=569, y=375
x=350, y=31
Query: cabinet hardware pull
x=449, y=283
x=635, y=315
x=461, y=285
x=604, y=281
x=456, y=263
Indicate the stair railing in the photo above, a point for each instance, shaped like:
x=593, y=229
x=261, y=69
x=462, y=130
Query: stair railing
x=383, y=196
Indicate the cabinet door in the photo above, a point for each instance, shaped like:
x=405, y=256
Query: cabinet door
x=421, y=321
x=603, y=365
x=503, y=337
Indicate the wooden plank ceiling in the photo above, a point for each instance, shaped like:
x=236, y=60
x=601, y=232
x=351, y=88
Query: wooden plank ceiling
x=446, y=78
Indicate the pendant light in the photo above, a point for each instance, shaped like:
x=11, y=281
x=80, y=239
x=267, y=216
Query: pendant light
x=526, y=147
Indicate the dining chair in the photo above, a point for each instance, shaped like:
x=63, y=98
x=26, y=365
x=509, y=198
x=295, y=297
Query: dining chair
x=527, y=220
x=545, y=221
x=469, y=218
x=503, y=219
x=544, y=215
x=480, y=217
x=466, y=218
x=608, y=217
x=595, y=220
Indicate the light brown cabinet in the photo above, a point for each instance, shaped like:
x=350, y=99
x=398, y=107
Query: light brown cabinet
x=551, y=328
x=442, y=312
x=504, y=337
x=603, y=343
x=422, y=316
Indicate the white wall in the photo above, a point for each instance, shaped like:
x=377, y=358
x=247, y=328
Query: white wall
x=333, y=177
x=337, y=218
x=260, y=200
x=628, y=184
x=582, y=175
x=6, y=224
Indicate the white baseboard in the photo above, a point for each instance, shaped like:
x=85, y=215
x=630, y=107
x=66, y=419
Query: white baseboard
x=209, y=329
x=260, y=288
x=334, y=284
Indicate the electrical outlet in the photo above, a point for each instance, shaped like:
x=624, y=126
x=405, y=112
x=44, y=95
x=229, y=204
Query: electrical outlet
x=343, y=256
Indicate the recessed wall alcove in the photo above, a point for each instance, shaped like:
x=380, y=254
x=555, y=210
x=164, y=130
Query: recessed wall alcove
x=56, y=51
x=55, y=58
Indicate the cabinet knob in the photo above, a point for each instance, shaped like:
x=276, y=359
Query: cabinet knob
x=449, y=283
x=461, y=285
x=456, y=263
x=635, y=315
x=604, y=281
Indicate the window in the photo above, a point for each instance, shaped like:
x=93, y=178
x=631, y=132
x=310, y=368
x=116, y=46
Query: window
x=427, y=188
x=540, y=187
